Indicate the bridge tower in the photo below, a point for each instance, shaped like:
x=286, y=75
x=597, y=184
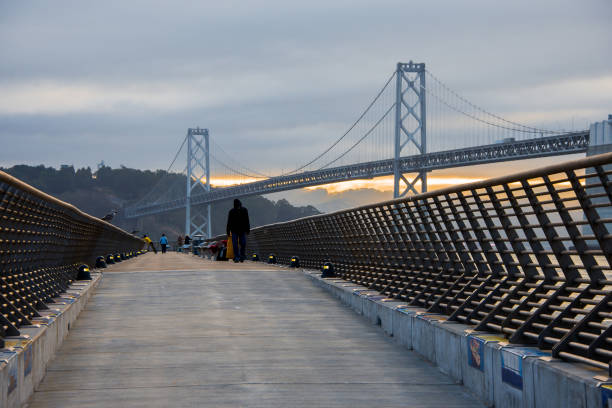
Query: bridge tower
x=410, y=124
x=198, y=169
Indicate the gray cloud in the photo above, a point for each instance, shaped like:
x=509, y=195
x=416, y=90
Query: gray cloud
x=275, y=81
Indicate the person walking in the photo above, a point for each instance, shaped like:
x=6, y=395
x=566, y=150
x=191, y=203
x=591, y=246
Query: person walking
x=238, y=225
x=149, y=243
x=163, y=241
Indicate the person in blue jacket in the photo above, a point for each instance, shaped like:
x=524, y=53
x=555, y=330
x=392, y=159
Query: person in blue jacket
x=163, y=241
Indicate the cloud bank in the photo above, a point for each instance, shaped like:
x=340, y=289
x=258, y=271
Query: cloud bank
x=276, y=81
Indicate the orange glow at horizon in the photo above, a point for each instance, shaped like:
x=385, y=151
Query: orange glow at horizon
x=229, y=181
x=381, y=184
x=385, y=184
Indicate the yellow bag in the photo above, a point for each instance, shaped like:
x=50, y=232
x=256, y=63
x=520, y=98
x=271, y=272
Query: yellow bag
x=230, y=248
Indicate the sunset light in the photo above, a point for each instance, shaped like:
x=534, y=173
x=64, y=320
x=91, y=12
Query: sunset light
x=385, y=184
x=227, y=182
x=382, y=184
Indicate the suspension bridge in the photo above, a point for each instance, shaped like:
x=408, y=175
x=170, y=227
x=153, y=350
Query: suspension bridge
x=414, y=124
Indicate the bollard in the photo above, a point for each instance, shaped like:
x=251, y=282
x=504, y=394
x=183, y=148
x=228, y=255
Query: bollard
x=110, y=259
x=83, y=273
x=327, y=270
x=295, y=262
x=272, y=259
x=100, y=262
x=255, y=257
x=117, y=257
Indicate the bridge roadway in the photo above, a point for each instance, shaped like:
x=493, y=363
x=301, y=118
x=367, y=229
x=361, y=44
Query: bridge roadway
x=174, y=330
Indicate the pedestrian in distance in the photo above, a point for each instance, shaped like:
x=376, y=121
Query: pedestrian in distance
x=163, y=241
x=187, y=240
x=149, y=243
x=238, y=225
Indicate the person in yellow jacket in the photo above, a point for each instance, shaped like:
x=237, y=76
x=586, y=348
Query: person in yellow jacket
x=146, y=239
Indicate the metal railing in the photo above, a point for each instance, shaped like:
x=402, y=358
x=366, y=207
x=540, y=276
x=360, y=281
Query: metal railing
x=527, y=255
x=43, y=241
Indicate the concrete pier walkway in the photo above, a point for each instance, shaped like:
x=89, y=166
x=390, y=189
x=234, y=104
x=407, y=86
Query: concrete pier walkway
x=173, y=330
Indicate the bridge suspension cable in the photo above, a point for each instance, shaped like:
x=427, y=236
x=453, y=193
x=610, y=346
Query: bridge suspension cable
x=164, y=177
x=520, y=126
x=248, y=171
x=361, y=139
x=451, y=134
x=233, y=170
x=378, y=95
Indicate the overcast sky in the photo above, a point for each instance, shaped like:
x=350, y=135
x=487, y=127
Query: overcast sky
x=275, y=81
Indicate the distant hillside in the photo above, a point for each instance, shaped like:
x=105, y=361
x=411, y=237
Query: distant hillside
x=100, y=192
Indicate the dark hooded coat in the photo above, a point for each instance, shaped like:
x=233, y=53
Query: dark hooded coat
x=238, y=219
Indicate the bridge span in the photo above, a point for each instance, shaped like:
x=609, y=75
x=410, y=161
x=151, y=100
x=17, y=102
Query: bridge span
x=569, y=143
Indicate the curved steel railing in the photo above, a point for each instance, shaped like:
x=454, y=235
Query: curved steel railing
x=528, y=255
x=42, y=243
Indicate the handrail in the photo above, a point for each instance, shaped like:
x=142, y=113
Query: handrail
x=43, y=241
x=527, y=255
x=6, y=178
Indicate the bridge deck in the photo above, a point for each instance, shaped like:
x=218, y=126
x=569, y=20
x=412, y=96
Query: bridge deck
x=174, y=330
